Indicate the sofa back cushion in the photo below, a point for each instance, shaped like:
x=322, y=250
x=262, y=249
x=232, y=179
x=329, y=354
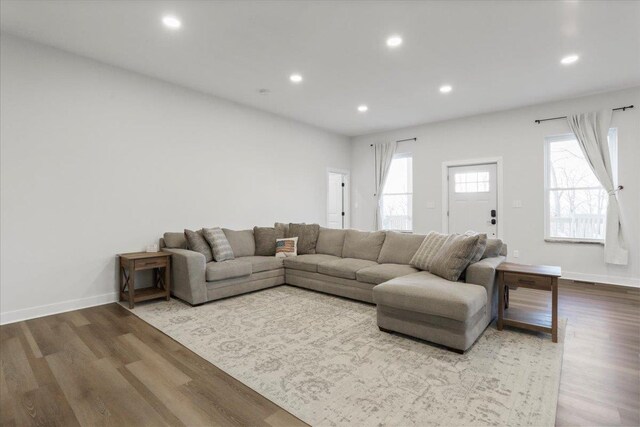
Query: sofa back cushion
x=399, y=248
x=265, y=238
x=242, y=242
x=307, y=235
x=493, y=249
x=175, y=240
x=330, y=241
x=363, y=244
x=197, y=243
x=282, y=230
x=454, y=256
x=427, y=250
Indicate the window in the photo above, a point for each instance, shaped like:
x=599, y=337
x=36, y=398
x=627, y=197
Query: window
x=472, y=182
x=575, y=202
x=397, y=196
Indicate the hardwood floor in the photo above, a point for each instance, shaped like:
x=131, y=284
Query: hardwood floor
x=103, y=365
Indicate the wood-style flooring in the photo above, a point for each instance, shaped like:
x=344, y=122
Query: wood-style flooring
x=104, y=366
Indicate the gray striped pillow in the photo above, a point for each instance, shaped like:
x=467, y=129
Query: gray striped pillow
x=196, y=242
x=219, y=244
x=454, y=256
x=429, y=247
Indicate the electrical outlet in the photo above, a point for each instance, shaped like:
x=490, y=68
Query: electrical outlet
x=516, y=254
x=431, y=205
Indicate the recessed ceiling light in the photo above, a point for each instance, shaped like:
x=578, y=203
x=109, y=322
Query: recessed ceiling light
x=394, y=41
x=296, y=78
x=569, y=59
x=171, y=21
x=362, y=108
x=446, y=88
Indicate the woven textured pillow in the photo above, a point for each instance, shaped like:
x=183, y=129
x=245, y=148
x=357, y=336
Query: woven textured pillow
x=493, y=249
x=454, y=256
x=287, y=247
x=196, y=242
x=307, y=235
x=480, y=247
x=429, y=247
x=265, y=240
x=220, y=246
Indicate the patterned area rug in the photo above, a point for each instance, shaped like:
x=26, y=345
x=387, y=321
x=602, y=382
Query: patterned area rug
x=323, y=359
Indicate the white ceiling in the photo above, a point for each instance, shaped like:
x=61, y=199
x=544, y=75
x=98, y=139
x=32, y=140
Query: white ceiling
x=497, y=55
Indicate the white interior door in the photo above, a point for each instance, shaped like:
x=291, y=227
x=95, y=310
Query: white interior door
x=473, y=199
x=336, y=200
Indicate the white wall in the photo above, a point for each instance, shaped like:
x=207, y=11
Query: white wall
x=520, y=142
x=97, y=161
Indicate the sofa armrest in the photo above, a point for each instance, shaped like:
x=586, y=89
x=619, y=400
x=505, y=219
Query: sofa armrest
x=483, y=273
x=188, y=275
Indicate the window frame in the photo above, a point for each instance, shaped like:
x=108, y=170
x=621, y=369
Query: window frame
x=395, y=157
x=613, y=153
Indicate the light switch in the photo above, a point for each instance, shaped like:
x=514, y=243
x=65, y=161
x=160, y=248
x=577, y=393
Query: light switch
x=431, y=205
x=517, y=204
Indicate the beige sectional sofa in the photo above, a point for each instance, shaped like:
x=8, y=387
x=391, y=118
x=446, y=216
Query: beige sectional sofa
x=367, y=266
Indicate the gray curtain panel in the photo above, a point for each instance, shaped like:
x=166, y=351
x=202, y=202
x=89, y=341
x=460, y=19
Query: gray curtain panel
x=591, y=131
x=383, y=155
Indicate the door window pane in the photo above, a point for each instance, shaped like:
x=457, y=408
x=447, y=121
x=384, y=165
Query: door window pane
x=472, y=182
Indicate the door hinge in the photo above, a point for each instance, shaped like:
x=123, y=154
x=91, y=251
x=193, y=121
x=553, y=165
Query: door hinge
x=447, y=213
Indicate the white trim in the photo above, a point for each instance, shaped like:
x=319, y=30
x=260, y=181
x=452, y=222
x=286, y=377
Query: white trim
x=58, y=307
x=471, y=162
x=346, y=194
x=599, y=278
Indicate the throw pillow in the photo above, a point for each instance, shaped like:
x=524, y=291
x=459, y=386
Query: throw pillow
x=493, y=249
x=220, y=246
x=241, y=241
x=265, y=240
x=428, y=248
x=480, y=247
x=307, y=235
x=286, y=247
x=196, y=242
x=454, y=256
x=282, y=230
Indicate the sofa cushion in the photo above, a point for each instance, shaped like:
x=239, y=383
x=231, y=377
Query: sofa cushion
x=175, y=240
x=330, y=241
x=307, y=235
x=427, y=250
x=282, y=230
x=345, y=267
x=363, y=244
x=454, y=256
x=423, y=292
x=263, y=263
x=308, y=262
x=265, y=238
x=220, y=246
x=381, y=273
x=227, y=270
x=197, y=243
x=242, y=242
x=399, y=248
x=493, y=249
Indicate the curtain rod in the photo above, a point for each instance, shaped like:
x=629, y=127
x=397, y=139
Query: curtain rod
x=564, y=117
x=402, y=140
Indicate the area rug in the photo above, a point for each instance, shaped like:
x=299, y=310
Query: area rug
x=323, y=359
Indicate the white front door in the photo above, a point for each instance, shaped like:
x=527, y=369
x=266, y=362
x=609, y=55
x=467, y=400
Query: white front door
x=473, y=199
x=335, y=200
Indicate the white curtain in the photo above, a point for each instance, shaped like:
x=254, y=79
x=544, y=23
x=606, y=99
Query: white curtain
x=383, y=155
x=591, y=130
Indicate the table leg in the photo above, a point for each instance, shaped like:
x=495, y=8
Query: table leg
x=167, y=279
x=500, y=299
x=554, y=310
x=132, y=285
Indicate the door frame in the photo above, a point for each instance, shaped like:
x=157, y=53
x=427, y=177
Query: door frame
x=346, y=194
x=499, y=187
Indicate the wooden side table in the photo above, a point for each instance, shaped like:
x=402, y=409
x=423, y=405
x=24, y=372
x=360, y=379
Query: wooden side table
x=159, y=262
x=541, y=277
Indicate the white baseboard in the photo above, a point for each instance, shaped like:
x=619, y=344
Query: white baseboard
x=607, y=280
x=55, y=308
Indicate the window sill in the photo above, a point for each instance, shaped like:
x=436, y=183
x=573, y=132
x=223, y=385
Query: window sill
x=581, y=241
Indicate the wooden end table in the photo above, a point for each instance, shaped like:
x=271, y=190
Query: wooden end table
x=541, y=277
x=159, y=262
